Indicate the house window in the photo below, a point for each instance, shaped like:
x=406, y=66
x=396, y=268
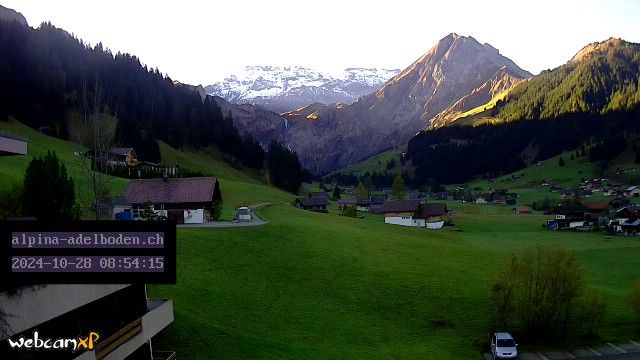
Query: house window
x=406, y=217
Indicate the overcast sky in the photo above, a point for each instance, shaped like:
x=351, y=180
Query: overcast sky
x=199, y=42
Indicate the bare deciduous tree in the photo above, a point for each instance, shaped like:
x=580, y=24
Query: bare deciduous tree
x=95, y=132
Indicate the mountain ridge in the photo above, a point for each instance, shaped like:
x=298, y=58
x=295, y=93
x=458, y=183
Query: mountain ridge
x=285, y=88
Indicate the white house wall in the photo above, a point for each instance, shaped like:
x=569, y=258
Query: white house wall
x=407, y=221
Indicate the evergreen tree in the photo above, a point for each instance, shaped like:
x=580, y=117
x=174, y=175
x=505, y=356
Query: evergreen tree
x=336, y=192
x=284, y=167
x=398, y=189
x=49, y=193
x=361, y=191
x=561, y=161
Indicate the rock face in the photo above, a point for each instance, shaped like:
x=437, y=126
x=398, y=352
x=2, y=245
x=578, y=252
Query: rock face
x=7, y=14
x=457, y=74
x=283, y=89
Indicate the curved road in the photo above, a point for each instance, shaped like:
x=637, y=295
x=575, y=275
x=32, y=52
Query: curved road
x=257, y=221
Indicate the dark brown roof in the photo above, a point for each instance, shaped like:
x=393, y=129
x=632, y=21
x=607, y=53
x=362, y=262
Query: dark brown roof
x=400, y=206
x=313, y=201
x=598, y=206
x=429, y=210
x=319, y=194
x=347, y=201
x=171, y=191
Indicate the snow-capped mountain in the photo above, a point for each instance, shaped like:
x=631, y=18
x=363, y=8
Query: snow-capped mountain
x=288, y=88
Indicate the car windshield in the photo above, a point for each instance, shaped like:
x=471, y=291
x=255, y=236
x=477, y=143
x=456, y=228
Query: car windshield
x=506, y=343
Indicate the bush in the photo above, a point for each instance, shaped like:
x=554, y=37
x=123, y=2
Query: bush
x=540, y=289
x=349, y=211
x=594, y=309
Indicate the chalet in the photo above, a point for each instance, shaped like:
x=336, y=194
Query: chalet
x=12, y=145
x=597, y=213
x=312, y=204
x=318, y=195
x=404, y=212
x=412, y=213
x=344, y=203
x=434, y=215
x=632, y=191
x=184, y=200
x=570, y=216
x=624, y=220
x=122, y=157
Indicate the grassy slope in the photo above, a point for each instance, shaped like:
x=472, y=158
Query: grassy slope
x=12, y=168
x=324, y=286
x=378, y=163
x=529, y=188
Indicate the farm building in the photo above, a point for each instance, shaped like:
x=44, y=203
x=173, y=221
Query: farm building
x=122, y=156
x=570, y=216
x=412, y=213
x=184, y=200
x=312, y=204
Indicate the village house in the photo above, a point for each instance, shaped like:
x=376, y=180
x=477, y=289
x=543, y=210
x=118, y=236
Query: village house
x=122, y=157
x=480, y=201
x=632, y=191
x=344, y=203
x=570, y=216
x=183, y=200
x=626, y=220
x=319, y=195
x=597, y=213
x=412, y=213
x=434, y=215
x=522, y=210
x=316, y=204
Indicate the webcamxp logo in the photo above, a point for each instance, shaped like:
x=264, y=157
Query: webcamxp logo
x=37, y=343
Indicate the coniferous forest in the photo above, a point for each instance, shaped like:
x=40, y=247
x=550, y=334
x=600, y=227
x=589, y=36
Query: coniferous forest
x=48, y=78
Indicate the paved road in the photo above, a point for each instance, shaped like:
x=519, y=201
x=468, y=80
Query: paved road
x=257, y=221
x=626, y=351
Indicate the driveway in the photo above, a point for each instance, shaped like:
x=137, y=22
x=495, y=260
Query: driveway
x=626, y=351
x=257, y=221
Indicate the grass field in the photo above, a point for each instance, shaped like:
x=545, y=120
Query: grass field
x=325, y=286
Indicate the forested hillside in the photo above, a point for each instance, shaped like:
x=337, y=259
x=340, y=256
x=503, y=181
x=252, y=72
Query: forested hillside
x=48, y=79
x=595, y=97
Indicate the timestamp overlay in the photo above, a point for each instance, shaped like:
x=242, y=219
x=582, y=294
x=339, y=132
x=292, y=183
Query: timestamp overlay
x=87, y=252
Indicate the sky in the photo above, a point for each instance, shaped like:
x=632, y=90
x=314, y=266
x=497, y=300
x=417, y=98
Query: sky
x=201, y=42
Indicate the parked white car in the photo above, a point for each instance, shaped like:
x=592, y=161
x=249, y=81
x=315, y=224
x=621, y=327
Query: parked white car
x=503, y=346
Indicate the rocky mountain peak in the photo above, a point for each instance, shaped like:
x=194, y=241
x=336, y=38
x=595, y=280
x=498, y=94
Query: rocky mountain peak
x=597, y=48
